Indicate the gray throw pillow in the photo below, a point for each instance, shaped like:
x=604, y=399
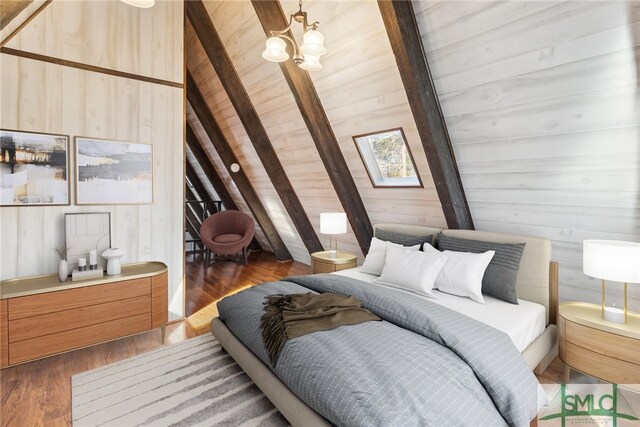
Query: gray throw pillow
x=499, y=279
x=402, y=238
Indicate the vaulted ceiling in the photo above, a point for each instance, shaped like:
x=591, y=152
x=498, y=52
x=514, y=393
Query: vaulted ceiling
x=540, y=100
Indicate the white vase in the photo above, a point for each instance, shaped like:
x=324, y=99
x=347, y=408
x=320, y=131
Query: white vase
x=63, y=270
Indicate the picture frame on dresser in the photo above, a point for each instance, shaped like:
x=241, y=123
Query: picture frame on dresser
x=34, y=169
x=86, y=231
x=111, y=172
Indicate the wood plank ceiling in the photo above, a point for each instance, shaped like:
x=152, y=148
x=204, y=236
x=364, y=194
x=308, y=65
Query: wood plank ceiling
x=361, y=91
x=540, y=100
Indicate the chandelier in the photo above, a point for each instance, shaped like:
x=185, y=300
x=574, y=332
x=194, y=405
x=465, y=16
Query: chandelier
x=308, y=55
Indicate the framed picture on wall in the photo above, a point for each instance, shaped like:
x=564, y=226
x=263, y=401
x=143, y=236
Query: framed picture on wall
x=34, y=169
x=113, y=172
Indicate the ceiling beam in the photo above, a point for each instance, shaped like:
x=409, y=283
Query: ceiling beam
x=272, y=17
x=240, y=178
x=219, y=58
x=199, y=187
x=210, y=171
x=404, y=35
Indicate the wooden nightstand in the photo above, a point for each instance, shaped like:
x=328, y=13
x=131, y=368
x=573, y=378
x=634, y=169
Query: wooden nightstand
x=321, y=263
x=605, y=350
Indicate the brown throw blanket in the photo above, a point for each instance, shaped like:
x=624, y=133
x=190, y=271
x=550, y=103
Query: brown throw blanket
x=293, y=315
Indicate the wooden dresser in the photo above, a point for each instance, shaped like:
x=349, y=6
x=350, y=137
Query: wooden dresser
x=40, y=316
x=605, y=350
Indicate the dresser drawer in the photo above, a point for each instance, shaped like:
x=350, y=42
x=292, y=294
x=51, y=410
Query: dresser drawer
x=46, y=345
x=616, y=346
x=33, y=305
x=604, y=367
x=59, y=321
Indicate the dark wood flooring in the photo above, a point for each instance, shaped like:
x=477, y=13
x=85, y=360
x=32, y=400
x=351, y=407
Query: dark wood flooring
x=39, y=393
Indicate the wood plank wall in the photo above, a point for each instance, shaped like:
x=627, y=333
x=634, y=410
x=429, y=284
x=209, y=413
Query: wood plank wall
x=361, y=91
x=542, y=104
x=37, y=96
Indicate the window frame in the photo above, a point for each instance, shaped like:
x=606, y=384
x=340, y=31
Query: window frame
x=366, y=165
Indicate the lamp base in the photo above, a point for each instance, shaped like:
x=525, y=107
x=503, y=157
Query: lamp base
x=613, y=314
x=333, y=254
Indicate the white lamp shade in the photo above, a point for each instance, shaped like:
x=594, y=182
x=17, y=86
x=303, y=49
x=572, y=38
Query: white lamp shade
x=276, y=50
x=333, y=223
x=313, y=44
x=612, y=260
x=311, y=63
x=140, y=3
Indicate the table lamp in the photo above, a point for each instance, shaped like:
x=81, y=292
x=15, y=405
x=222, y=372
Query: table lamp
x=333, y=223
x=615, y=261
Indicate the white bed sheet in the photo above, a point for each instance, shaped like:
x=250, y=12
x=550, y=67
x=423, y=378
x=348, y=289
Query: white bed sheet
x=523, y=322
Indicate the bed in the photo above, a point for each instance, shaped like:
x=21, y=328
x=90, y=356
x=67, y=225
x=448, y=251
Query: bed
x=529, y=326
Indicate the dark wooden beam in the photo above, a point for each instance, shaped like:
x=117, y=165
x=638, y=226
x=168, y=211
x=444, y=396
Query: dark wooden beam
x=219, y=58
x=240, y=178
x=210, y=171
x=87, y=67
x=212, y=174
x=198, y=185
x=404, y=35
x=196, y=208
x=272, y=17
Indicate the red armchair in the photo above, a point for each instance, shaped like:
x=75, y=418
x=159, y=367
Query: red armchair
x=227, y=235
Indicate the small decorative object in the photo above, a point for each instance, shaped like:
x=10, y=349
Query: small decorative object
x=85, y=232
x=112, y=172
x=63, y=267
x=615, y=261
x=235, y=167
x=333, y=223
x=82, y=264
x=34, y=169
x=93, y=259
x=113, y=261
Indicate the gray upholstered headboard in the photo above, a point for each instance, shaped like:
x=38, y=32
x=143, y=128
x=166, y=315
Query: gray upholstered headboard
x=532, y=283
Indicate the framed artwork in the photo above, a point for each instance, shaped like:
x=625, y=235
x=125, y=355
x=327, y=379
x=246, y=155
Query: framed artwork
x=84, y=232
x=113, y=172
x=34, y=169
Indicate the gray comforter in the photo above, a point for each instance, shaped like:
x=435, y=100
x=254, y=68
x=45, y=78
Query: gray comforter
x=423, y=365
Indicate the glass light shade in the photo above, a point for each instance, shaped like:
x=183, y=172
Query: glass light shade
x=313, y=44
x=311, y=63
x=333, y=223
x=276, y=50
x=612, y=260
x=140, y=3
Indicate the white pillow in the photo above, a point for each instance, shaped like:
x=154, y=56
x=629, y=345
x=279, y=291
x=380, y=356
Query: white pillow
x=411, y=270
x=462, y=274
x=374, y=261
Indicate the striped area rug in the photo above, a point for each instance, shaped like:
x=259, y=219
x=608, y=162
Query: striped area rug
x=194, y=382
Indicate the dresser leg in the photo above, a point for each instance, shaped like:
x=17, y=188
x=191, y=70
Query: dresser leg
x=163, y=329
x=566, y=372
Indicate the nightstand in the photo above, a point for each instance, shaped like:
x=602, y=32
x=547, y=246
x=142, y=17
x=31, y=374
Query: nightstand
x=594, y=346
x=321, y=263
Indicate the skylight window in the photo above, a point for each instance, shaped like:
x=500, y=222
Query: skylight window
x=387, y=158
